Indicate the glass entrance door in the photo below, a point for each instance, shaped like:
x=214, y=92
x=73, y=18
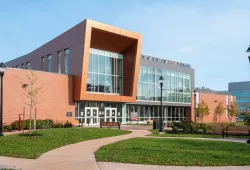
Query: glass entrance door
x=91, y=115
x=110, y=115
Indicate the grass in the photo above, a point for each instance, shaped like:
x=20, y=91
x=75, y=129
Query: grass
x=239, y=123
x=34, y=146
x=193, y=135
x=177, y=152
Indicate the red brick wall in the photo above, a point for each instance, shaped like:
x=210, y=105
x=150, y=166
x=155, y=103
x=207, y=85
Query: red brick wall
x=213, y=100
x=54, y=102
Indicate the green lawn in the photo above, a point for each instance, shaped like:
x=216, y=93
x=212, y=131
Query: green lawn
x=175, y=152
x=34, y=146
x=193, y=135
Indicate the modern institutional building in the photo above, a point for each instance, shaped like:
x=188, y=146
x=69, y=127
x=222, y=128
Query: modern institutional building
x=242, y=92
x=96, y=72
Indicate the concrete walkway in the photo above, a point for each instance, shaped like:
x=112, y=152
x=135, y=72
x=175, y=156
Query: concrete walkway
x=81, y=156
x=122, y=166
x=238, y=140
x=73, y=157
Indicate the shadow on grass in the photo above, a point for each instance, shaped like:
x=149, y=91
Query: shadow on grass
x=33, y=134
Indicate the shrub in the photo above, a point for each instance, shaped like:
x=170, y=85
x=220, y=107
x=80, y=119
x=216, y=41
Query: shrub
x=7, y=128
x=217, y=127
x=194, y=127
x=26, y=124
x=47, y=123
x=177, y=124
x=67, y=125
x=204, y=127
x=175, y=129
x=14, y=125
x=185, y=124
x=57, y=125
x=39, y=124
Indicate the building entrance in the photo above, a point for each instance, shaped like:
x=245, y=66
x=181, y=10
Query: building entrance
x=91, y=115
x=110, y=114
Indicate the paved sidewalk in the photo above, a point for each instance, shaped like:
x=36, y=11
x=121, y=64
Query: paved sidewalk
x=122, y=166
x=75, y=156
x=213, y=139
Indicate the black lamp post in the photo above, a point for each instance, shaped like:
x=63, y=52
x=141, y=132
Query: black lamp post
x=195, y=106
x=161, y=121
x=2, y=71
x=248, y=51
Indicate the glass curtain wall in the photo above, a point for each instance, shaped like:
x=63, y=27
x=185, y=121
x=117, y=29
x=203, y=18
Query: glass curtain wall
x=170, y=113
x=176, y=85
x=105, y=72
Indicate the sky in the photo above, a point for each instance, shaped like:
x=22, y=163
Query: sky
x=210, y=35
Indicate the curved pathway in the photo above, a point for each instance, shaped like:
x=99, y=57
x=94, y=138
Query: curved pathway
x=74, y=156
x=81, y=156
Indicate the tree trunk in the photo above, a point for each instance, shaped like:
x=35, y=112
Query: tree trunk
x=30, y=120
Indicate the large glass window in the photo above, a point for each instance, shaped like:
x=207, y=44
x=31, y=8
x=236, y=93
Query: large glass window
x=107, y=67
x=176, y=85
x=59, y=61
x=28, y=66
x=43, y=60
x=67, y=57
x=49, y=60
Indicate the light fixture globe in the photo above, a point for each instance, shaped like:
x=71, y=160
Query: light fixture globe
x=248, y=50
x=2, y=69
x=161, y=80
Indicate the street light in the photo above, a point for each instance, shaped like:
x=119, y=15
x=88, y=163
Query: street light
x=161, y=123
x=2, y=71
x=195, y=106
x=248, y=51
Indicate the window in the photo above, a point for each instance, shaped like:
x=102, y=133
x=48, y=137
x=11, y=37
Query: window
x=176, y=85
x=28, y=66
x=59, y=61
x=67, y=55
x=105, y=72
x=43, y=65
x=49, y=59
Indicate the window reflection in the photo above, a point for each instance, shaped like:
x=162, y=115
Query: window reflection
x=105, y=72
x=176, y=87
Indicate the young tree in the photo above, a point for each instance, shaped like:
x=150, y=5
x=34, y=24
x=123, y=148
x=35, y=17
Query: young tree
x=247, y=117
x=219, y=110
x=233, y=111
x=31, y=92
x=202, y=110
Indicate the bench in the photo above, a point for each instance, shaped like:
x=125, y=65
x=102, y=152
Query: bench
x=239, y=130
x=110, y=124
x=150, y=122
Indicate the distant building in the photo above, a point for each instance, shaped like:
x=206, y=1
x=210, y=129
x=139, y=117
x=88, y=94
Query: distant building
x=207, y=90
x=242, y=92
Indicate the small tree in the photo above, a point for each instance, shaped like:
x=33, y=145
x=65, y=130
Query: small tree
x=233, y=111
x=219, y=110
x=31, y=92
x=247, y=117
x=202, y=110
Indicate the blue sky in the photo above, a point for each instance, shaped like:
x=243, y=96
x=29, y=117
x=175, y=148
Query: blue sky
x=210, y=35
